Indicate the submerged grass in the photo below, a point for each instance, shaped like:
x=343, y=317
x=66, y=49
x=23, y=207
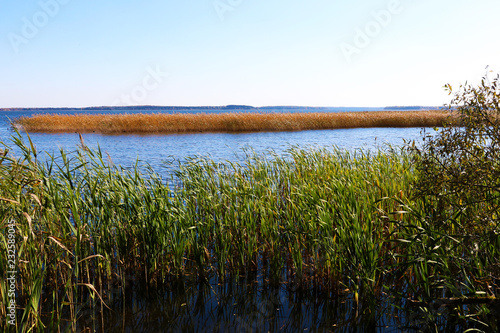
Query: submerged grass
x=330, y=220
x=227, y=122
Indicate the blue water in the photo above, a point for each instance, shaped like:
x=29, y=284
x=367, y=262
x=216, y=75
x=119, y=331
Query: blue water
x=220, y=308
x=124, y=150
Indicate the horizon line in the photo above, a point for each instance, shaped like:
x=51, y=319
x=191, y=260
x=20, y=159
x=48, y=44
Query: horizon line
x=228, y=106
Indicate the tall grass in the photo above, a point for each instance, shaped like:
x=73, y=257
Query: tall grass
x=321, y=219
x=227, y=122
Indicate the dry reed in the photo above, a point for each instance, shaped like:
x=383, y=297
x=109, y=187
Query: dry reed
x=227, y=122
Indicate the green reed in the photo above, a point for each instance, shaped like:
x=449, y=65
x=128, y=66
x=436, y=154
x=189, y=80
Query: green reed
x=315, y=218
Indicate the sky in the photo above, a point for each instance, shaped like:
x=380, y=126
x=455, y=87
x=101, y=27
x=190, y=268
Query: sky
x=359, y=53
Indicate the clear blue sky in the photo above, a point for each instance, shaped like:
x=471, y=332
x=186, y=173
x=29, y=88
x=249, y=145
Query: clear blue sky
x=255, y=52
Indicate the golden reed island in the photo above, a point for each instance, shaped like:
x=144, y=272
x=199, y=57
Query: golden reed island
x=226, y=122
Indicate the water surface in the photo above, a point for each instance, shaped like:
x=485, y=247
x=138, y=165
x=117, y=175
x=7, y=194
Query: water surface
x=157, y=149
x=241, y=307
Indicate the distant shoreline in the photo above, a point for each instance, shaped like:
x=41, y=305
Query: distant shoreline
x=235, y=122
x=223, y=107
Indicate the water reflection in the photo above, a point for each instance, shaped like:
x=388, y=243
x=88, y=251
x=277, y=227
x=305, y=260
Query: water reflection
x=242, y=305
x=233, y=307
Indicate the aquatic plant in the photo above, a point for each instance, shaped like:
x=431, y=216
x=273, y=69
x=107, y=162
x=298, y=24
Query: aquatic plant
x=316, y=219
x=226, y=122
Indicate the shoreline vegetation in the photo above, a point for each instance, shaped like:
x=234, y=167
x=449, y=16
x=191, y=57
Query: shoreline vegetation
x=336, y=222
x=232, y=122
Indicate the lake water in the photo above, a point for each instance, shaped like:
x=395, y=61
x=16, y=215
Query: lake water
x=157, y=149
x=244, y=307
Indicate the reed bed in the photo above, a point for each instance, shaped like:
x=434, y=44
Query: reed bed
x=330, y=220
x=227, y=122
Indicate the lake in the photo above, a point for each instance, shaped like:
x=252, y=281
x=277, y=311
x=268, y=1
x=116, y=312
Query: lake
x=248, y=304
x=124, y=150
